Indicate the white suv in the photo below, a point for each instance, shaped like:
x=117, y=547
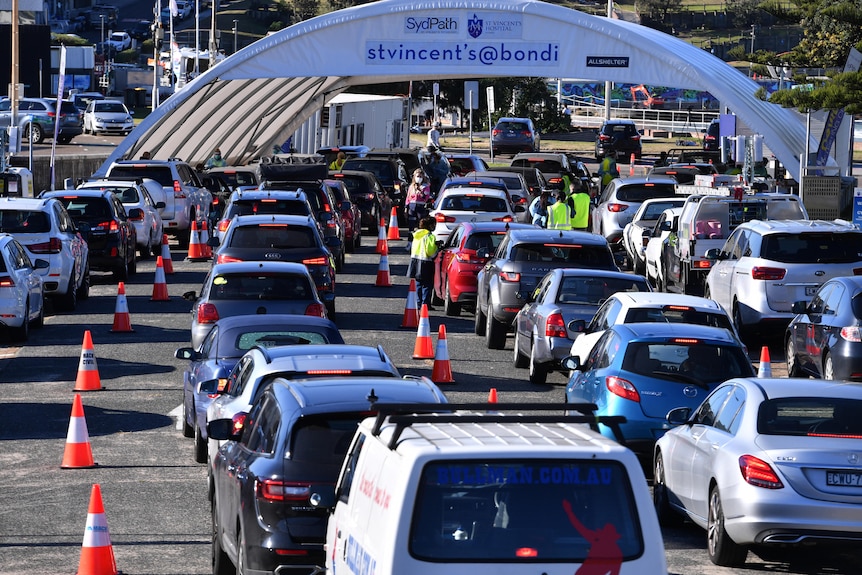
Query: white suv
x=476, y=203
x=44, y=228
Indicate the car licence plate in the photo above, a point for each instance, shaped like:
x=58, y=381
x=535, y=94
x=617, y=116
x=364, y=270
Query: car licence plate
x=810, y=290
x=844, y=478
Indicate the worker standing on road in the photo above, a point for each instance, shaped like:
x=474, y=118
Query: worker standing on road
x=423, y=249
x=434, y=136
x=608, y=168
x=560, y=214
x=579, y=200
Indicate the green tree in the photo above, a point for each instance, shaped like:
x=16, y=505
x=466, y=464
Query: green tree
x=844, y=90
x=657, y=9
x=830, y=29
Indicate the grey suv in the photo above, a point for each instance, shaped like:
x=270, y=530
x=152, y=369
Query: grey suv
x=43, y=111
x=514, y=135
x=522, y=259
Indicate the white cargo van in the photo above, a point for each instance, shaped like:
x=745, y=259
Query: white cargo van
x=466, y=492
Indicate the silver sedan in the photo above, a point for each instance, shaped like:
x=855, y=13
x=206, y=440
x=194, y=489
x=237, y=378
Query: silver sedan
x=542, y=335
x=766, y=462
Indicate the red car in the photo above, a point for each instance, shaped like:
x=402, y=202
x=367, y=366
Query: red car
x=458, y=262
x=350, y=214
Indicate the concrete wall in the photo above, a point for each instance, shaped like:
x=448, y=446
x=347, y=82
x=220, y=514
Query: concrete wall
x=75, y=167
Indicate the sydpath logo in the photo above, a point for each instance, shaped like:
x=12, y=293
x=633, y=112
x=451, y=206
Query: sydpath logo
x=431, y=25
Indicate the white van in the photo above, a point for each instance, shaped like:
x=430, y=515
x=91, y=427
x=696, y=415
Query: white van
x=490, y=494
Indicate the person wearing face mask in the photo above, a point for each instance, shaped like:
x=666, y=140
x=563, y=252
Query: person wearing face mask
x=215, y=161
x=418, y=194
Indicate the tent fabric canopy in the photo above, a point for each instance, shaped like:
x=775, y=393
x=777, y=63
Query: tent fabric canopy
x=260, y=95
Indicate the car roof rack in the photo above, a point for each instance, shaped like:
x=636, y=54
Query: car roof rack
x=403, y=415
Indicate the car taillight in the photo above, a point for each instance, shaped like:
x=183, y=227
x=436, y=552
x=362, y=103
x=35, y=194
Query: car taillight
x=701, y=264
x=758, y=473
x=495, y=132
x=222, y=225
x=467, y=258
x=316, y=310
x=321, y=261
x=52, y=246
x=329, y=372
x=555, y=326
x=622, y=387
x=207, y=313
x=443, y=218
x=851, y=333
x=503, y=219
x=709, y=138
x=6, y=282
x=223, y=259
x=510, y=276
x=766, y=273
x=615, y=208
x=636, y=137
x=604, y=138
x=178, y=190
x=110, y=226
x=555, y=181
x=369, y=197
x=276, y=490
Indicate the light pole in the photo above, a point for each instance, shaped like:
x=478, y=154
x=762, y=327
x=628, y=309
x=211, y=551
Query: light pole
x=234, y=36
x=102, y=18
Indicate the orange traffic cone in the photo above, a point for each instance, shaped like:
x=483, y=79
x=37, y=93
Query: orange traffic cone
x=632, y=165
x=393, y=225
x=160, y=285
x=383, y=269
x=411, y=313
x=122, y=321
x=492, y=395
x=423, y=348
x=381, y=237
x=78, y=454
x=166, y=255
x=88, y=372
x=206, y=250
x=97, y=554
x=195, y=251
x=442, y=370
x=765, y=368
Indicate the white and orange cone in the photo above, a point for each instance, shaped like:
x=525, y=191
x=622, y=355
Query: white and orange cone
x=160, y=285
x=383, y=279
x=88, y=372
x=196, y=253
x=411, y=312
x=206, y=250
x=442, y=370
x=97, y=554
x=632, y=165
x=765, y=367
x=166, y=255
x=492, y=395
x=423, y=349
x=381, y=237
x=122, y=320
x=77, y=454
x=393, y=225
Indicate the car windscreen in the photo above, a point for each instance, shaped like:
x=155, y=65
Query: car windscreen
x=678, y=314
x=90, y=209
x=276, y=236
x=24, y=222
x=125, y=194
x=687, y=360
x=261, y=287
x=523, y=511
x=595, y=290
x=161, y=174
x=479, y=240
x=267, y=206
x=234, y=179
x=655, y=209
x=577, y=255
x=473, y=203
x=642, y=192
x=812, y=248
x=811, y=416
x=67, y=107
x=324, y=438
x=275, y=337
x=544, y=166
x=383, y=170
x=108, y=106
x=356, y=185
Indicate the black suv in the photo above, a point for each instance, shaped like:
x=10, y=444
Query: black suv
x=367, y=193
x=287, y=454
x=712, y=137
x=392, y=175
x=522, y=259
x=102, y=220
x=621, y=136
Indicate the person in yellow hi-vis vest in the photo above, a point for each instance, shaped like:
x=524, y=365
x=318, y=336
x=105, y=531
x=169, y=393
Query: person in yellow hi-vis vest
x=579, y=199
x=560, y=214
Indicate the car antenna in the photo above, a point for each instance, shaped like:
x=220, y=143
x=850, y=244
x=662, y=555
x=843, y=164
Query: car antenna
x=507, y=226
x=372, y=397
x=561, y=233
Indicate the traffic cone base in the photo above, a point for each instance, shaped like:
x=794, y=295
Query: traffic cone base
x=77, y=454
x=442, y=370
x=88, y=372
x=411, y=313
x=97, y=554
x=423, y=348
x=160, y=285
x=393, y=225
x=166, y=255
x=122, y=321
x=765, y=367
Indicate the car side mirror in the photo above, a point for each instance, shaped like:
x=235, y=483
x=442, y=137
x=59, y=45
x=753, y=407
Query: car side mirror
x=83, y=229
x=207, y=386
x=131, y=112
x=526, y=295
x=799, y=307
x=715, y=254
x=190, y=295
x=222, y=429
x=519, y=209
x=188, y=353
x=213, y=242
x=678, y=415
x=577, y=326
x=160, y=205
x=41, y=264
x=345, y=206
x=136, y=214
x=571, y=362
x=483, y=253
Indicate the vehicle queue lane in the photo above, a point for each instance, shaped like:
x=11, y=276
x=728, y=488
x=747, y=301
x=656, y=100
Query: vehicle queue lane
x=154, y=494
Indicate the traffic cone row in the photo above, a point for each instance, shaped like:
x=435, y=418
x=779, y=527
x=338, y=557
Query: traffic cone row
x=166, y=255
x=393, y=225
x=160, y=286
x=77, y=454
x=381, y=237
x=411, y=313
x=765, y=367
x=88, y=372
x=122, y=320
x=383, y=279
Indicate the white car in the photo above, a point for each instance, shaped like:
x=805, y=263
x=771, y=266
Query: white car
x=148, y=226
x=470, y=204
x=646, y=307
x=119, y=41
x=664, y=227
x=636, y=232
x=45, y=229
x=21, y=298
x=107, y=117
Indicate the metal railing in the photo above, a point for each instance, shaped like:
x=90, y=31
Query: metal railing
x=673, y=117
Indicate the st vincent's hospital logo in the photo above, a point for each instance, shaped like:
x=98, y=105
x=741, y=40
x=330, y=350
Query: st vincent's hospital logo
x=474, y=26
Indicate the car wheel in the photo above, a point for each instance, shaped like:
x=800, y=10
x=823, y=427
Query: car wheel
x=156, y=249
x=479, y=321
x=188, y=428
x=495, y=332
x=339, y=262
x=828, y=367
x=69, y=300
x=721, y=549
x=357, y=242
x=133, y=263
x=519, y=359
x=639, y=266
x=737, y=319
x=40, y=319
x=221, y=563
x=183, y=237
x=666, y=515
x=38, y=134
x=791, y=359
x=240, y=554
x=200, y=446
x=330, y=310
x=64, y=139
x=538, y=371
x=145, y=251
x=662, y=283
x=450, y=307
x=22, y=333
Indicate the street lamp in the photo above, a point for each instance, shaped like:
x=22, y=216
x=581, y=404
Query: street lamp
x=234, y=36
x=102, y=18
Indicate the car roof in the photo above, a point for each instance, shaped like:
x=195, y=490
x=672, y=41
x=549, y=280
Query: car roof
x=334, y=395
x=619, y=121
x=777, y=387
x=556, y=156
x=77, y=193
x=232, y=169
x=256, y=266
x=657, y=298
x=327, y=350
x=640, y=180
x=495, y=226
x=265, y=193
x=481, y=188
x=534, y=234
x=589, y=272
x=799, y=226
x=661, y=331
x=259, y=219
x=23, y=203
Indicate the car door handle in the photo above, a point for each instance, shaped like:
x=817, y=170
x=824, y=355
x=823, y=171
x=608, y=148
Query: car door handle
x=713, y=446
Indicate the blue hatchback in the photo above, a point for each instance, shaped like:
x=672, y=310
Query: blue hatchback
x=642, y=371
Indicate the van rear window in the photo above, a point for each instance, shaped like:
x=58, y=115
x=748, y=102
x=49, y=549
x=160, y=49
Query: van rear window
x=515, y=511
x=641, y=193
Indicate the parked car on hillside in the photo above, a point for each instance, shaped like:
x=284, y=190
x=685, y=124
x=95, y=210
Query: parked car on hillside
x=43, y=112
x=107, y=117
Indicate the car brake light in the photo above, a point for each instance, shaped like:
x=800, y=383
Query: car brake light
x=178, y=190
x=223, y=259
x=110, y=225
x=222, y=225
x=851, y=333
x=622, y=387
x=672, y=307
x=52, y=246
x=510, y=276
x=615, y=208
x=321, y=261
x=275, y=490
x=636, y=137
x=444, y=218
x=767, y=273
x=701, y=264
x=6, y=282
x=329, y=372
x=555, y=326
x=685, y=341
x=495, y=132
x=555, y=180
x=604, y=138
x=758, y=473
x=503, y=219
x=467, y=258
x=207, y=313
x=316, y=310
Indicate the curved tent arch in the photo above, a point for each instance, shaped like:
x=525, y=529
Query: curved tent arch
x=263, y=93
